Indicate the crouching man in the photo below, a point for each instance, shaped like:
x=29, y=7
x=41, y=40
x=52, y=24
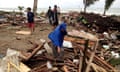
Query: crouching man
x=57, y=37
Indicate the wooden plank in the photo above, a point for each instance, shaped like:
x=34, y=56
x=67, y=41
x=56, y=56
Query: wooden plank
x=29, y=55
x=107, y=66
x=97, y=68
x=8, y=70
x=16, y=67
x=48, y=49
x=23, y=32
x=24, y=68
x=80, y=61
x=80, y=64
x=78, y=40
x=65, y=68
x=83, y=34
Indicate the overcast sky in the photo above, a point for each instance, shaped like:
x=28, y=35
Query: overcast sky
x=46, y=3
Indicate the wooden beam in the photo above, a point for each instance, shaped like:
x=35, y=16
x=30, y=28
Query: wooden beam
x=65, y=68
x=91, y=57
x=97, y=68
x=80, y=61
x=84, y=57
x=26, y=58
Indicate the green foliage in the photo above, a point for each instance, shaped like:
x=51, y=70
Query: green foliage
x=87, y=3
x=20, y=8
x=108, y=3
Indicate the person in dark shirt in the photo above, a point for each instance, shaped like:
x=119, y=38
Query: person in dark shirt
x=50, y=15
x=57, y=37
x=55, y=16
x=30, y=19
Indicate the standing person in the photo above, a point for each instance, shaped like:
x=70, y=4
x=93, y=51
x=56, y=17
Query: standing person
x=30, y=19
x=50, y=15
x=55, y=16
x=57, y=37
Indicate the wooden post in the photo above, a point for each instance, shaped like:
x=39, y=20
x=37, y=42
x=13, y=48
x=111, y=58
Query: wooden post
x=80, y=61
x=91, y=57
x=8, y=70
x=84, y=57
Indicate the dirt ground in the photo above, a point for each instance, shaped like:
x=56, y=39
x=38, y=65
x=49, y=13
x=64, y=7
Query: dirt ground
x=9, y=39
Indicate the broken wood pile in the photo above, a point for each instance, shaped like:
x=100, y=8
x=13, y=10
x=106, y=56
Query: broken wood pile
x=70, y=63
x=81, y=57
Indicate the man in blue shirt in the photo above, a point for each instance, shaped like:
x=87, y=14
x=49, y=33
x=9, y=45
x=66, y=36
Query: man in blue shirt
x=30, y=19
x=57, y=37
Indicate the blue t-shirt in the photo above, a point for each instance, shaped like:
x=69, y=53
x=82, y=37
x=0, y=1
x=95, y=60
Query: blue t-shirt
x=30, y=17
x=57, y=36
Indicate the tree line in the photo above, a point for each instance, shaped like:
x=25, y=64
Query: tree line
x=107, y=5
x=86, y=3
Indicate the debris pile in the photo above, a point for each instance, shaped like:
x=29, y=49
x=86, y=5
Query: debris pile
x=18, y=20
x=103, y=22
x=81, y=57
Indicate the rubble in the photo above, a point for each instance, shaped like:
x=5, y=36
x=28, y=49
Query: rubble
x=84, y=51
x=72, y=62
x=74, y=57
x=82, y=56
x=103, y=23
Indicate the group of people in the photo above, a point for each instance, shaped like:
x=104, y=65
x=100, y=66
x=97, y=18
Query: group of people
x=53, y=15
x=57, y=35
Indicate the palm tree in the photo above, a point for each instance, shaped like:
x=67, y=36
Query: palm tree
x=20, y=9
x=35, y=6
x=108, y=3
x=87, y=3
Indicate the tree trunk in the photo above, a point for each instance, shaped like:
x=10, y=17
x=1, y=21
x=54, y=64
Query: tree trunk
x=85, y=6
x=104, y=13
x=35, y=7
